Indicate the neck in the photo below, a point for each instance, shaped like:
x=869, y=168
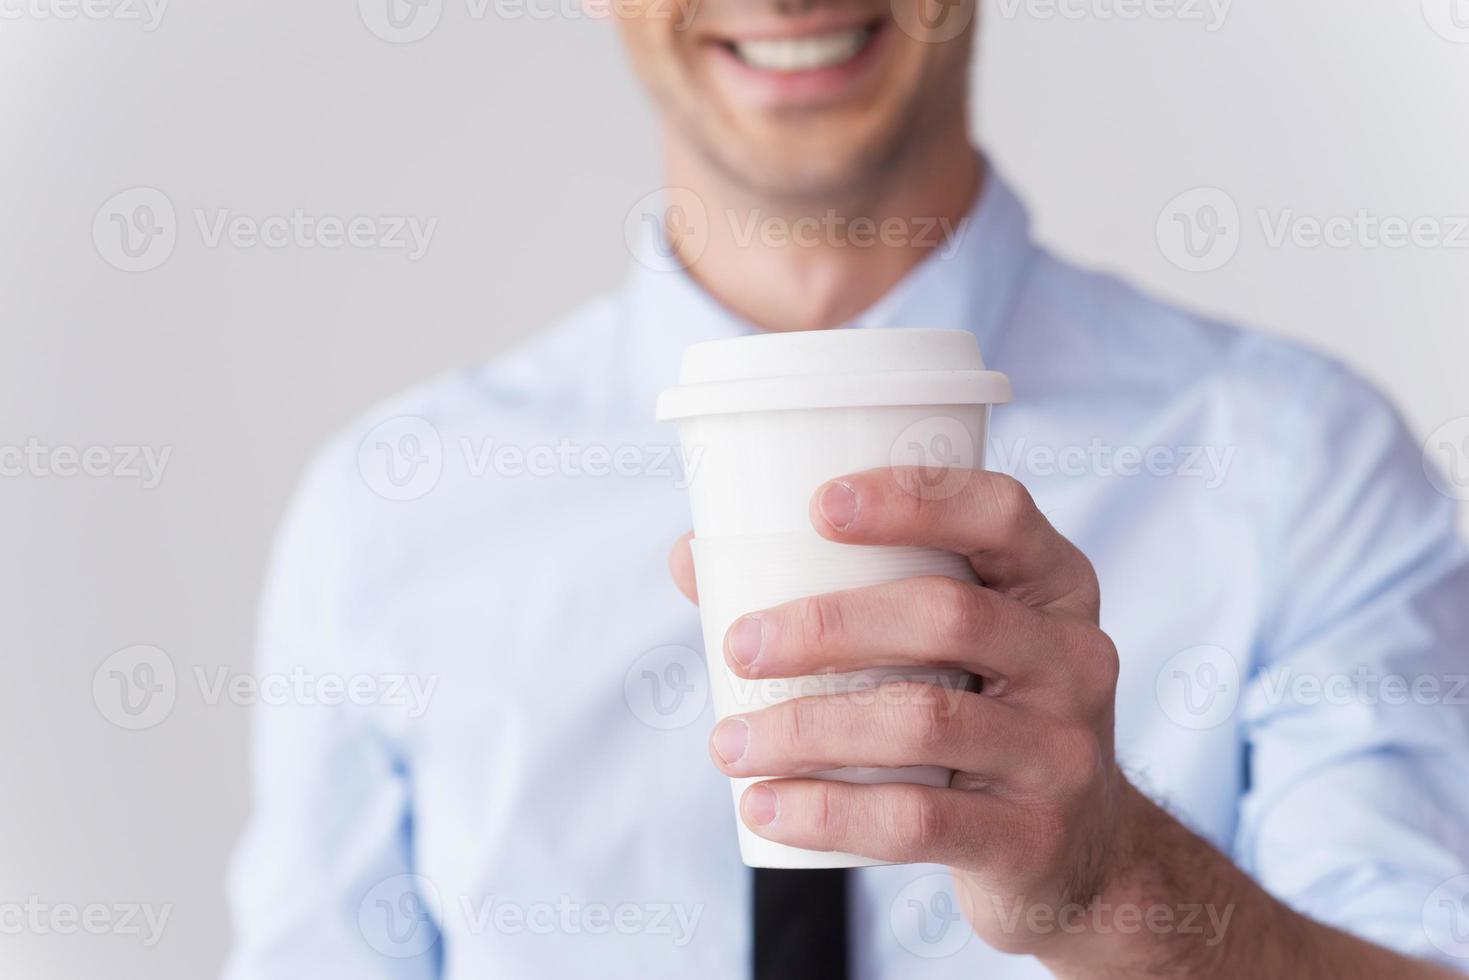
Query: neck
x=812, y=266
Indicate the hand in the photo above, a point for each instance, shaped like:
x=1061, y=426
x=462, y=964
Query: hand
x=1038, y=816
x=1036, y=810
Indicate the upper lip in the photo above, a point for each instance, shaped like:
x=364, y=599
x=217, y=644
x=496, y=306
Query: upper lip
x=768, y=28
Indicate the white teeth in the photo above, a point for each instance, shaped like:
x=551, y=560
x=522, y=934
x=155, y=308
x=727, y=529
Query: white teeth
x=803, y=53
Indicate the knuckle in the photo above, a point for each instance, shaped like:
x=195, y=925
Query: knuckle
x=1010, y=503
x=1078, y=756
x=1091, y=583
x=798, y=720
x=910, y=504
x=1101, y=667
x=1108, y=664
x=958, y=609
x=926, y=723
x=831, y=813
x=820, y=622
x=917, y=821
x=1093, y=667
x=1086, y=587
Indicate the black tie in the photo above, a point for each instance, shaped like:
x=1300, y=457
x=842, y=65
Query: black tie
x=800, y=925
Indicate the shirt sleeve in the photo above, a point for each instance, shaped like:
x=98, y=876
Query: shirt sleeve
x=322, y=884
x=1357, y=718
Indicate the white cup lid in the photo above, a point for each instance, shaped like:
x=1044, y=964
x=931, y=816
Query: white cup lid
x=832, y=369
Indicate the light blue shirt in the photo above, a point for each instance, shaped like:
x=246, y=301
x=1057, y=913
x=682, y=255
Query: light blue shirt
x=505, y=772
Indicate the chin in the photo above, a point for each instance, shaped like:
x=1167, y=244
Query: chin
x=827, y=164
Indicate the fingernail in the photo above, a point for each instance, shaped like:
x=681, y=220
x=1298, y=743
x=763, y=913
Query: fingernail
x=745, y=639
x=761, y=805
x=731, y=739
x=838, y=505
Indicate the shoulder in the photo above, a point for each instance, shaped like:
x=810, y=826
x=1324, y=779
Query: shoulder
x=1153, y=352
x=1306, y=434
x=412, y=444
x=1318, y=451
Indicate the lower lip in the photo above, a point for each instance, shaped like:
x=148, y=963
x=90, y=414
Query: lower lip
x=798, y=89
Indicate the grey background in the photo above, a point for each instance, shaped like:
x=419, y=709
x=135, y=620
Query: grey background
x=525, y=136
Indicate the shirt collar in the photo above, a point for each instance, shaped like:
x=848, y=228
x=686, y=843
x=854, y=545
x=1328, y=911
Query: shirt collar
x=970, y=283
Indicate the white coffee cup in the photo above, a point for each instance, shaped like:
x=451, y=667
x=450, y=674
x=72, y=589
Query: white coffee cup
x=766, y=420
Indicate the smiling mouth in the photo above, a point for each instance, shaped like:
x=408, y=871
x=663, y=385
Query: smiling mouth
x=812, y=52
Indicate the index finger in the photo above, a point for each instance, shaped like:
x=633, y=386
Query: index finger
x=991, y=519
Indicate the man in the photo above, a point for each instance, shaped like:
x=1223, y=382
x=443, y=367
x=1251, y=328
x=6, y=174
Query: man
x=1212, y=571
